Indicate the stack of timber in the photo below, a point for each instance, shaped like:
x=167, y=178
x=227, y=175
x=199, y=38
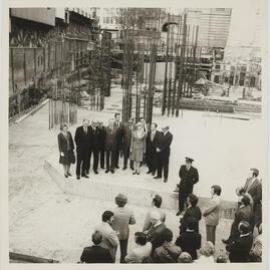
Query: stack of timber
x=224, y=106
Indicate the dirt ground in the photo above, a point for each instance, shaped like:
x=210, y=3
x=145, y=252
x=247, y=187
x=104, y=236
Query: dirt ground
x=45, y=222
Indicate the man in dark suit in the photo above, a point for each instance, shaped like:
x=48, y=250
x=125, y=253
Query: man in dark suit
x=243, y=213
x=101, y=144
x=189, y=176
x=96, y=135
x=253, y=187
x=96, y=253
x=127, y=133
x=151, y=149
x=83, y=139
x=110, y=146
x=163, y=153
x=118, y=137
x=239, y=249
x=155, y=233
x=190, y=240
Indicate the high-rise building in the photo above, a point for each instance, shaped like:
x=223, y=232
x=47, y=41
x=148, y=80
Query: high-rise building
x=214, y=25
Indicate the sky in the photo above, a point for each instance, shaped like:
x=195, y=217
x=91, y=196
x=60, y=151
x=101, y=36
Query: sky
x=245, y=26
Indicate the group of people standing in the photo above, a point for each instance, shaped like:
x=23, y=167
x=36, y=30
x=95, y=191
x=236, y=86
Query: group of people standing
x=154, y=243
x=138, y=143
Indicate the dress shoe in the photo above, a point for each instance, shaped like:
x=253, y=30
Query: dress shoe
x=107, y=171
x=178, y=213
x=134, y=173
x=85, y=176
x=149, y=172
x=66, y=175
x=112, y=171
x=96, y=172
x=138, y=173
x=78, y=177
x=117, y=167
x=165, y=180
x=69, y=174
x=125, y=167
x=157, y=177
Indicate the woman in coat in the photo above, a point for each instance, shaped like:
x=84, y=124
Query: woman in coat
x=137, y=146
x=211, y=214
x=66, y=147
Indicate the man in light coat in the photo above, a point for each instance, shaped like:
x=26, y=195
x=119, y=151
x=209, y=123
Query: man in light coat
x=123, y=217
x=109, y=236
x=211, y=214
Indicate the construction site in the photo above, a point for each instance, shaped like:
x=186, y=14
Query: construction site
x=166, y=67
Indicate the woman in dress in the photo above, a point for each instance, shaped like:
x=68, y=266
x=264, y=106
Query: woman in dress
x=66, y=147
x=137, y=146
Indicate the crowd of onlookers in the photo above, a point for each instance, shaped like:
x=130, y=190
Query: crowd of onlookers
x=140, y=144
x=154, y=243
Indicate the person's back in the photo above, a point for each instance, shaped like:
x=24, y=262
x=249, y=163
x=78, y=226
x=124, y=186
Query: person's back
x=239, y=249
x=109, y=236
x=155, y=234
x=193, y=212
x=189, y=241
x=96, y=254
x=122, y=218
x=207, y=253
x=142, y=250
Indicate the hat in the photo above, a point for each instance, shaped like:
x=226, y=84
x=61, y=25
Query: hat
x=255, y=170
x=189, y=159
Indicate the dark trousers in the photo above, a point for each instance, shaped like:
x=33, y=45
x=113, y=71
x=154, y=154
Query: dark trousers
x=116, y=156
x=163, y=164
x=88, y=161
x=182, y=201
x=95, y=161
x=123, y=250
x=211, y=233
x=126, y=152
x=110, y=158
x=83, y=160
x=151, y=161
x=184, y=191
x=101, y=158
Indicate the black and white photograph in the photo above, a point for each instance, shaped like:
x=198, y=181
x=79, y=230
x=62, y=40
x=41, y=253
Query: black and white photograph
x=137, y=135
